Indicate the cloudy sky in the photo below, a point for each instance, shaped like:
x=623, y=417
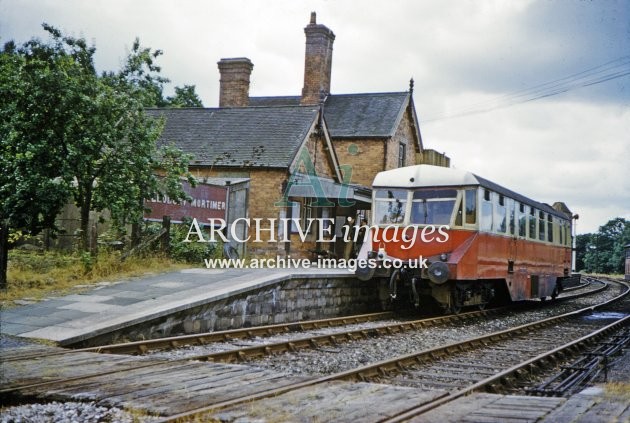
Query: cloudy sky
x=532, y=94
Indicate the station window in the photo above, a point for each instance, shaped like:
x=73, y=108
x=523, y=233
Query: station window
x=486, y=211
x=307, y=213
x=532, y=224
x=522, y=220
x=295, y=215
x=402, y=153
x=390, y=206
x=471, y=206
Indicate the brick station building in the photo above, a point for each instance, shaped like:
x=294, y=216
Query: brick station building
x=318, y=150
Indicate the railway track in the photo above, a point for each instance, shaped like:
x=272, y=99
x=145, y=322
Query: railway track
x=126, y=378
x=235, y=355
x=241, y=354
x=141, y=347
x=457, y=369
x=146, y=346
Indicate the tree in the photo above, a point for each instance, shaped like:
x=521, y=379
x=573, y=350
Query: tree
x=603, y=252
x=184, y=97
x=33, y=109
x=141, y=75
x=581, y=243
x=68, y=133
x=141, y=79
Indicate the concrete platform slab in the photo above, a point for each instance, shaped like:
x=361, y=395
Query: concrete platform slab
x=87, y=298
x=115, y=305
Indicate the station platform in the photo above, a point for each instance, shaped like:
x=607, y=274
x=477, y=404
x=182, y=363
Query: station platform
x=114, y=305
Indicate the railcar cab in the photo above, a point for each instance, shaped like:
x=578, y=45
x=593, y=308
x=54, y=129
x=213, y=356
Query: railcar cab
x=458, y=238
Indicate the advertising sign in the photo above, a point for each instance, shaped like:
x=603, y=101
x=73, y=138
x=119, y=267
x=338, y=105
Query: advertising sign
x=208, y=202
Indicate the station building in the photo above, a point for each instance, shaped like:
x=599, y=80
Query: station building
x=312, y=155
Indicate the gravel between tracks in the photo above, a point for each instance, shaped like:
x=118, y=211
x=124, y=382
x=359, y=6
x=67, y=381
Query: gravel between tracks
x=331, y=359
x=58, y=412
x=308, y=362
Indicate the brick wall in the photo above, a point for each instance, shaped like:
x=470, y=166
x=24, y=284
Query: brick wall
x=265, y=188
x=369, y=156
x=318, y=151
x=365, y=156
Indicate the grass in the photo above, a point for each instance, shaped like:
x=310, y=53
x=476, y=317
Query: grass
x=618, y=390
x=35, y=275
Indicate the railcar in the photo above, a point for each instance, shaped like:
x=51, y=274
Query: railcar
x=449, y=236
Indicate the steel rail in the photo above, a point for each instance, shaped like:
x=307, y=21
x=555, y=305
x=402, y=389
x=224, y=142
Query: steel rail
x=500, y=377
x=272, y=348
x=242, y=353
x=581, y=370
x=141, y=347
x=317, y=341
x=144, y=346
x=396, y=364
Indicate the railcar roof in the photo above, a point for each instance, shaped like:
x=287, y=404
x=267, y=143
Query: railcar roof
x=420, y=176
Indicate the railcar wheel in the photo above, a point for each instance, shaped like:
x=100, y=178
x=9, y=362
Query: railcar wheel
x=456, y=304
x=482, y=306
x=457, y=295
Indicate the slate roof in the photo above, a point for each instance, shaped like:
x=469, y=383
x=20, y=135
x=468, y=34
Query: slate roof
x=372, y=115
x=239, y=137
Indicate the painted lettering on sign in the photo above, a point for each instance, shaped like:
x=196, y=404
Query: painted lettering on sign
x=207, y=202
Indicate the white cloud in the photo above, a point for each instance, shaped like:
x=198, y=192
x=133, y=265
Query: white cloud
x=573, y=147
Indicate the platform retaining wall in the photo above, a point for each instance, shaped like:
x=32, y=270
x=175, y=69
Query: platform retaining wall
x=299, y=298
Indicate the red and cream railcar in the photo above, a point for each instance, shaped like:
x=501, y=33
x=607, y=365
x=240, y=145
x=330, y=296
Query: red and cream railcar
x=461, y=239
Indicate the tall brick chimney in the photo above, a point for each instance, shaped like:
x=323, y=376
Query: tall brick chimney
x=317, y=61
x=235, y=73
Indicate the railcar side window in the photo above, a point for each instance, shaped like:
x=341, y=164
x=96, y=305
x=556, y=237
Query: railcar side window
x=433, y=207
x=512, y=216
x=486, y=211
x=390, y=206
x=550, y=228
x=471, y=206
x=522, y=220
x=532, y=224
x=500, y=215
x=541, y=226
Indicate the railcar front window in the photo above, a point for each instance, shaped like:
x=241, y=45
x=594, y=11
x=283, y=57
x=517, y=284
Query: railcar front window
x=433, y=207
x=390, y=206
x=471, y=206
